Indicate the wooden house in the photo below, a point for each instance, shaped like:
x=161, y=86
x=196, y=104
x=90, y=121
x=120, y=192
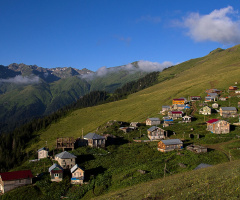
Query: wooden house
x=237, y=91
x=195, y=98
x=187, y=119
x=65, y=143
x=222, y=98
x=218, y=126
x=232, y=88
x=77, y=175
x=180, y=101
x=56, y=173
x=42, y=153
x=156, y=133
x=205, y=110
x=209, y=99
x=197, y=148
x=175, y=114
x=170, y=145
x=228, y=112
x=66, y=160
x=12, y=180
x=214, y=105
x=95, y=140
x=153, y=121
x=179, y=107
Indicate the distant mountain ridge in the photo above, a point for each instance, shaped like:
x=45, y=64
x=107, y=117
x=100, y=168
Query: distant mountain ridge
x=28, y=91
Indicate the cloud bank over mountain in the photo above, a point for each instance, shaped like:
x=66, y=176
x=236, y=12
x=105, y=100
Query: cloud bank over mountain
x=21, y=80
x=142, y=65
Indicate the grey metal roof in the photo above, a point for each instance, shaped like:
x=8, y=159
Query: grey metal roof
x=213, y=94
x=54, y=166
x=43, y=148
x=75, y=167
x=93, y=136
x=154, y=119
x=172, y=141
x=202, y=165
x=65, y=155
x=228, y=108
x=165, y=106
x=152, y=128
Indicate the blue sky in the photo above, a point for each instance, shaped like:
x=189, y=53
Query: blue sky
x=97, y=33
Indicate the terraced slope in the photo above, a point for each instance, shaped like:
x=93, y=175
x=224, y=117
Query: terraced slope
x=219, y=69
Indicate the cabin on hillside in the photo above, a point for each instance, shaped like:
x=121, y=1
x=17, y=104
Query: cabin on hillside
x=209, y=99
x=197, y=148
x=206, y=110
x=170, y=145
x=66, y=160
x=214, y=105
x=218, y=126
x=175, y=114
x=156, y=133
x=42, y=153
x=65, y=143
x=12, y=180
x=95, y=140
x=179, y=107
x=56, y=173
x=187, y=119
x=153, y=121
x=134, y=124
x=232, y=88
x=165, y=108
x=222, y=98
x=195, y=98
x=77, y=175
x=228, y=112
x=213, y=91
x=180, y=101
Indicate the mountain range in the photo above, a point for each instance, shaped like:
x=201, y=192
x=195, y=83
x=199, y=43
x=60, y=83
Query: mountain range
x=29, y=91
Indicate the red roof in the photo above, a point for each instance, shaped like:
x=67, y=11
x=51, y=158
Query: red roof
x=212, y=121
x=176, y=112
x=7, y=176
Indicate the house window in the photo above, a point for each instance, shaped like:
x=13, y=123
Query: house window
x=56, y=175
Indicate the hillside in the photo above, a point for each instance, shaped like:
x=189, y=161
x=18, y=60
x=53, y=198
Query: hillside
x=216, y=70
x=29, y=91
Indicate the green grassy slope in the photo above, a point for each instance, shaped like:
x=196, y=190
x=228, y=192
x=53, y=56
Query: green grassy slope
x=216, y=182
x=219, y=69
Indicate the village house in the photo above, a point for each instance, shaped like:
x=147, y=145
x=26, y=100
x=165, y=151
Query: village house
x=214, y=105
x=65, y=143
x=187, y=119
x=66, y=160
x=222, y=98
x=12, y=180
x=175, y=114
x=228, y=112
x=205, y=110
x=42, y=153
x=95, y=140
x=179, y=107
x=135, y=124
x=166, y=108
x=77, y=175
x=180, y=101
x=156, y=133
x=213, y=91
x=232, y=88
x=56, y=173
x=153, y=121
x=195, y=98
x=218, y=126
x=197, y=148
x=167, y=121
x=126, y=129
x=209, y=99
x=237, y=91
x=170, y=145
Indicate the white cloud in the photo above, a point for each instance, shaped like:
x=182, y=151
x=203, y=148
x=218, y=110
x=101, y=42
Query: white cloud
x=145, y=66
x=216, y=26
x=21, y=80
